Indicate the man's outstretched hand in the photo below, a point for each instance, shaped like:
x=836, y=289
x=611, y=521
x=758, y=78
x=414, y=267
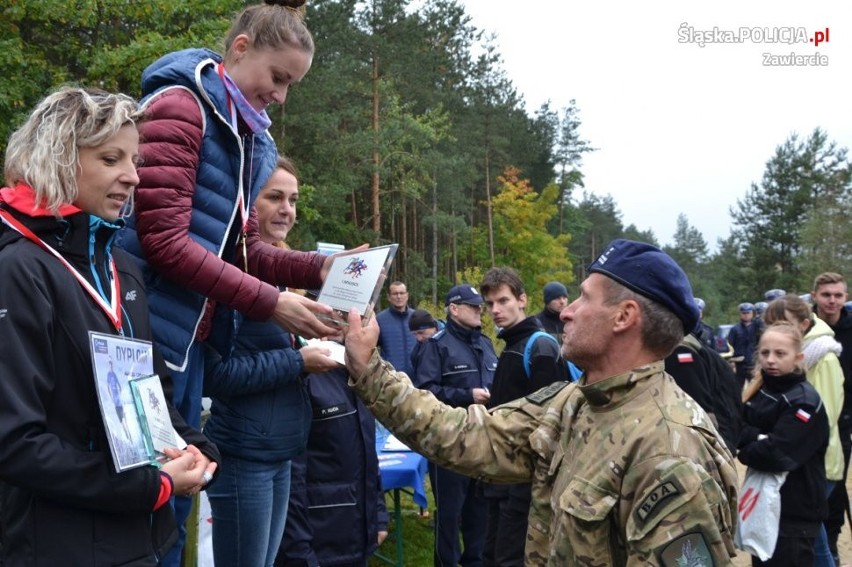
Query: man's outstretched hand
x=360, y=342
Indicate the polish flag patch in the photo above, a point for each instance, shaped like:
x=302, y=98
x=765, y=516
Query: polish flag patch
x=802, y=415
x=684, y=357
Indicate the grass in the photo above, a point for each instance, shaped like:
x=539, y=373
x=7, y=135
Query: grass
x=419, y=539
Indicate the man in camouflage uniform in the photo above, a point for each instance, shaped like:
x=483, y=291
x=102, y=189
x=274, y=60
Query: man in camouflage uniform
x=625, y=467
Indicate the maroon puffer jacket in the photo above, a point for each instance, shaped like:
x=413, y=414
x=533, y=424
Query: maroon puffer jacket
x=164, y=199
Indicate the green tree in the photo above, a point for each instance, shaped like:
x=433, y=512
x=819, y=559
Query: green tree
x=520, y=239
x=689, y=249
x=633, y=233
x=726, y=274
x=94, y=43
x=771, y=218
x=594, y=222
x=569, y=151
x=826, y=236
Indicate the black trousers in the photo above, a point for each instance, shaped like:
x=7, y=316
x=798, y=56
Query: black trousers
x=790, y=552
x=460, y=506
x=839, y=499
x=506, y=531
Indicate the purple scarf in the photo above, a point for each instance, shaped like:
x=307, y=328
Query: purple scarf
x=256, y=121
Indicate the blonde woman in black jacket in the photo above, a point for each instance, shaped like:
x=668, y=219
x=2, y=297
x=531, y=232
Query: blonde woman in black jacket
x=72, y=169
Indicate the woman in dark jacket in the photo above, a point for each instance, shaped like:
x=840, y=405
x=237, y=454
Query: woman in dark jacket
x=337, y=510
x=260, y=413
x=73, y=169
x=786, y=429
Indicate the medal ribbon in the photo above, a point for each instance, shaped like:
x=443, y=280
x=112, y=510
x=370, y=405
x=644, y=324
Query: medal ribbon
x=112, y=309
x=244, y=217
x=233, y=115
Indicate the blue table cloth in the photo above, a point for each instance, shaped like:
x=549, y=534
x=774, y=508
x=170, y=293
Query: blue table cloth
x=403, y=470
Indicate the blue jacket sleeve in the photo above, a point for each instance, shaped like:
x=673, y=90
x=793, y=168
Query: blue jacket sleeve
x=250, y=372
x=381, y=509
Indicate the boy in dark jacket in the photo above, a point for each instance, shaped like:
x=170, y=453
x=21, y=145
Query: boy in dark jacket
x=508, y=504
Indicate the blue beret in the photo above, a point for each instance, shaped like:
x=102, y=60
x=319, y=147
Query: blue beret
x=649, y=271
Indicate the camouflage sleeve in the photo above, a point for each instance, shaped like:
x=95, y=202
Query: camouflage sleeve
x=472, y=441
x=679, y=514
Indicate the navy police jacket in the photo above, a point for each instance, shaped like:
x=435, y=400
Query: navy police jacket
x=337, y=506
x=453, y=362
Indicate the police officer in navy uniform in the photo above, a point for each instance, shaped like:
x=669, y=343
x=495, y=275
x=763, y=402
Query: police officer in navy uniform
x=703, y=331
x=743, y=338
x=457, y=365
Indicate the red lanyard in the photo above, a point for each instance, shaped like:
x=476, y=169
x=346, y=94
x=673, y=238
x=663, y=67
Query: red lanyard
x=112, y=309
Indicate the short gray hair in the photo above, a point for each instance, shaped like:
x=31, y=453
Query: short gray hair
x=44, y=152
x=662, y=330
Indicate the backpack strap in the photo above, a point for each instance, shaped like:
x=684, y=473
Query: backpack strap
x=573, y=371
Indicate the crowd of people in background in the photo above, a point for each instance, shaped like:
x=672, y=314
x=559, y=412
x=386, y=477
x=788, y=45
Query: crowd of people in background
x=603, y=428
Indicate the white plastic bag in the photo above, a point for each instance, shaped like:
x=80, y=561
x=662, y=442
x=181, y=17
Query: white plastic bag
x=759, y=513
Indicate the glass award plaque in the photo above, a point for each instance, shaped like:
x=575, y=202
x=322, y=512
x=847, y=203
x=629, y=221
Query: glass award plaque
x=355, y=280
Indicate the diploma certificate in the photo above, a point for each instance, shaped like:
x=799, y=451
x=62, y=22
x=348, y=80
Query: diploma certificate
x=133, y=407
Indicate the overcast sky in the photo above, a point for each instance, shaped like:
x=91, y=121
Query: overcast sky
x=680, y=128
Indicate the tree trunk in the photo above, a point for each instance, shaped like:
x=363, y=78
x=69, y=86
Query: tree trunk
x=403, y=241
x=488, y=210
x=354, y=209
x=435, y=243
x=377, y=215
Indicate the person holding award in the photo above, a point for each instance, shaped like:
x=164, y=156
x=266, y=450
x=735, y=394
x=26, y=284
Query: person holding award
x=71, y=170
x=207, y=152
x=260, y=415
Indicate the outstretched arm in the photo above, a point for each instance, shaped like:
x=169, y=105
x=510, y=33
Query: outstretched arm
x=472, y=441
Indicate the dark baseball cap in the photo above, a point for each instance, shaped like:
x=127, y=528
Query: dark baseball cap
x=463, y=293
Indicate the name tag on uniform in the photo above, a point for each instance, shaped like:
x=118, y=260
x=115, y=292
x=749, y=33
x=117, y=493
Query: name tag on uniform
x=541, y=396
x=333, y=410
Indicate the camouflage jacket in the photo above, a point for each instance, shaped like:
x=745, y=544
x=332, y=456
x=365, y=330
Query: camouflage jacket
x=626, y=471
